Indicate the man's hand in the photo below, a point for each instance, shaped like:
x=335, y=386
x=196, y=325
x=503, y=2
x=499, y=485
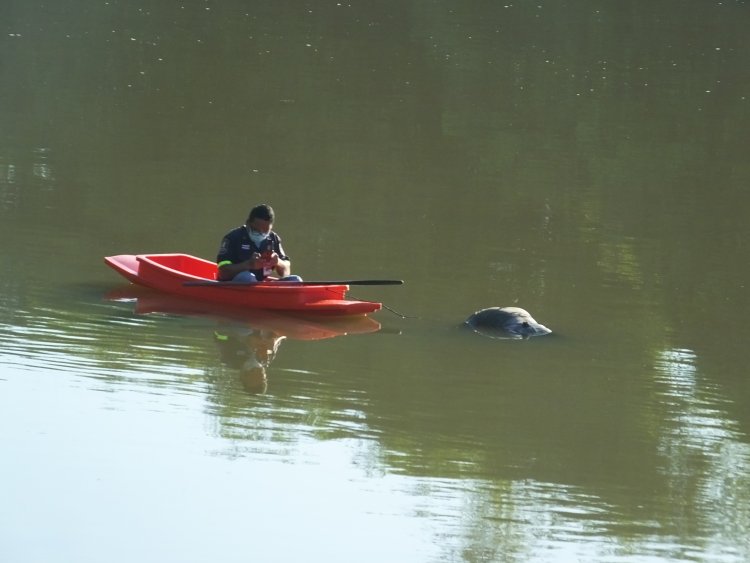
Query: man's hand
x=254, y=262
x=270, y=260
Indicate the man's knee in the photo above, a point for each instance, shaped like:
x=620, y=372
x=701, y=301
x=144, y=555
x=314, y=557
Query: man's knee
x=245, y=277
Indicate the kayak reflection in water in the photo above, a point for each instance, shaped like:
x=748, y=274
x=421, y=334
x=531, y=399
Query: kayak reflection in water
x=253, y=252
x=249, y=351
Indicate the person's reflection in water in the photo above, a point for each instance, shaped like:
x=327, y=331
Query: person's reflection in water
x=250, y=351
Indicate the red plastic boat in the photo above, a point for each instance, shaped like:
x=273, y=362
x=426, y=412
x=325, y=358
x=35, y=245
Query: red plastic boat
x=171, y=272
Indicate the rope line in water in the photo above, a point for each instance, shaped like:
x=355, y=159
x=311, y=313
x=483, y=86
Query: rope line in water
x=387, y=308
x=397, y=313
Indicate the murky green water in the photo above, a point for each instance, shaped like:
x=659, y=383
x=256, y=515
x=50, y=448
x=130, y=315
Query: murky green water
x=586, y=161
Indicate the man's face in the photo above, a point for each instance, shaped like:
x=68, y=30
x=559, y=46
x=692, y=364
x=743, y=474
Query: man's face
x=260, y=226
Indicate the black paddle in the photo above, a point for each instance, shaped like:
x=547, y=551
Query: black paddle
x=293, y=283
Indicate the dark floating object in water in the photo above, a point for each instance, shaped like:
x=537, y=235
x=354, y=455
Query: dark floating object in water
x=506, y=322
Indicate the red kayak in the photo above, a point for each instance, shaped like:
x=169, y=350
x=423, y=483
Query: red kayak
x=189, y=276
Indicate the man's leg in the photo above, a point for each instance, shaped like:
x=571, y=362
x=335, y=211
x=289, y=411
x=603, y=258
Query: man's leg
x=245, y=277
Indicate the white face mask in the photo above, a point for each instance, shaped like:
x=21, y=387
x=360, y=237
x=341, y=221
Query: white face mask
x=257, y=237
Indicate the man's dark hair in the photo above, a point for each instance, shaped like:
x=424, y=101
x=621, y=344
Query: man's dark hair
x=262, y=211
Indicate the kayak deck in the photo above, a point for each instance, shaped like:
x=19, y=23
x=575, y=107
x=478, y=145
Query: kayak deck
x=173, y=273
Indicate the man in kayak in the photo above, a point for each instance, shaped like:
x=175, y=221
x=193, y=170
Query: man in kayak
x=253, y=252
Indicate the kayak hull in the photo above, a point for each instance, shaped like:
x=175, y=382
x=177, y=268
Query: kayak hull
x=170, y=272
x=282, y=323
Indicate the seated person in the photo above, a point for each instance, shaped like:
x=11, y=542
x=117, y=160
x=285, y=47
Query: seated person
x=253, y=252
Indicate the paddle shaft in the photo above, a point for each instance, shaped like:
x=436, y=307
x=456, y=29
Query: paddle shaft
x=293, y=283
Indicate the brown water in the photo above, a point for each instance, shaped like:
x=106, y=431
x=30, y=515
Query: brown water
x=586, y=161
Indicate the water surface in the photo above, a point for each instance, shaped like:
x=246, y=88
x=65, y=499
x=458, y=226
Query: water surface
x=584, y=161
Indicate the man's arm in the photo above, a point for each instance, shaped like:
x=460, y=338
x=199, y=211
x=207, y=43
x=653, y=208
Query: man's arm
x=228, y=271
x=283, y=267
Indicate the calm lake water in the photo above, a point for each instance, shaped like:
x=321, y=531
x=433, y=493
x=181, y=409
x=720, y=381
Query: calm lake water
x=584, y=160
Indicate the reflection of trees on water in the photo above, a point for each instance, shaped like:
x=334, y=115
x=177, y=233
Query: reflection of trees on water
x=630, y=155
x=537, y=449
x=518, y=452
